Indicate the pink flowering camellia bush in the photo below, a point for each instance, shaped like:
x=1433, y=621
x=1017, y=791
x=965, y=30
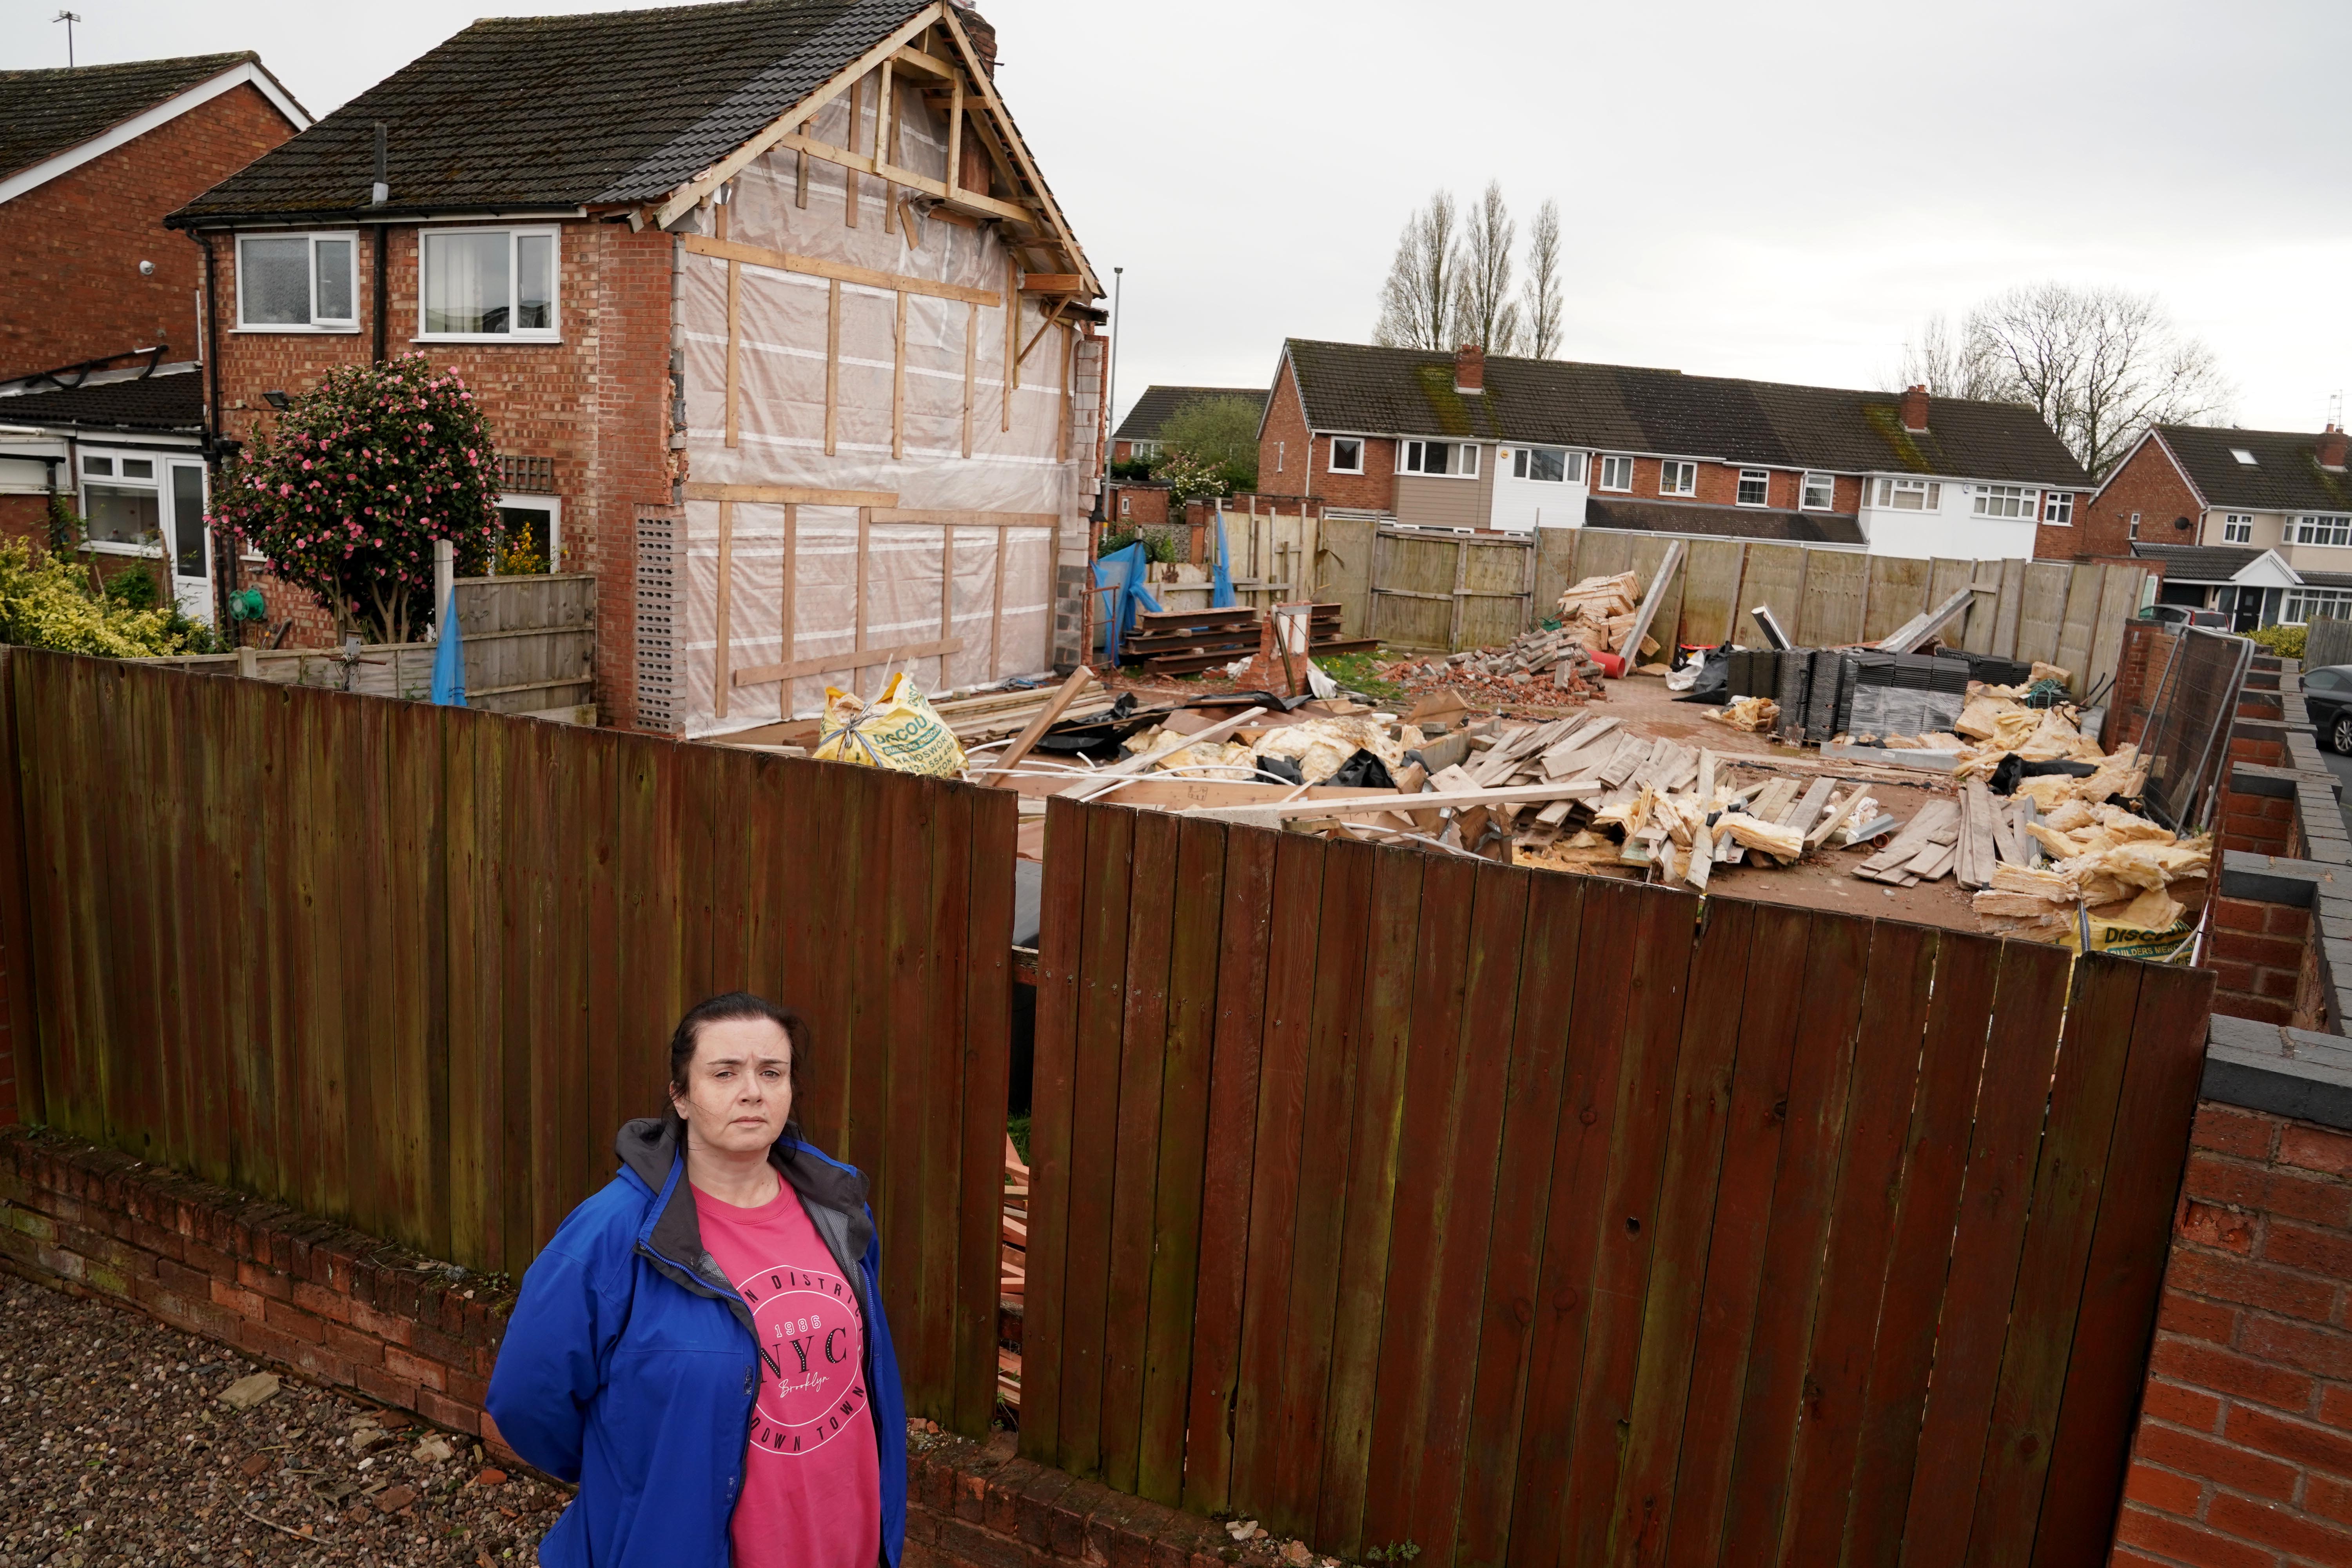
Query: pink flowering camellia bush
x=347, y=494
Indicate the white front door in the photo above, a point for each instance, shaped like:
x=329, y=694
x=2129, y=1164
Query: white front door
x=189, y=540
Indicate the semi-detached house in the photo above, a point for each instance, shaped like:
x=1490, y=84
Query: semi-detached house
x=779, y=330
x=2255, y=523
x=1468, y=441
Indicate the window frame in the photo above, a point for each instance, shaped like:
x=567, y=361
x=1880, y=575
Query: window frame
x=1682, y=468
x=2058, y=508
x=1929, y=491
x=2025, y=503
x=2237, y=528
x=2323, y=601
x=158, y=484
x=1759, y=476
x=2330, y=522
x=1571, y=465
x=1805, y=489
x=1333, y=463
x=1607, y=459
x=554, y=506
x=315, y=326
x=551, y=334
x=1416, y=448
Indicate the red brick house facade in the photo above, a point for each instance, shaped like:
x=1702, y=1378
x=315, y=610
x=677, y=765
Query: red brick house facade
x=672, y=318
x=91, y=161
x=1465, y=441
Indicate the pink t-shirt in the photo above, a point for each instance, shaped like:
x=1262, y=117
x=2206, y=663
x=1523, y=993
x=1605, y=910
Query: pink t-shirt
x=812, y=1476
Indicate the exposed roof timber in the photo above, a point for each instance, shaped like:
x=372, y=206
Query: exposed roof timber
x=971, y=201
x=985, y=90
x=688, y=196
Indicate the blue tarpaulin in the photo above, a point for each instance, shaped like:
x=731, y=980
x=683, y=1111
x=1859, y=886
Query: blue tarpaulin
x=449, y=659
x=1221, y=595
x=1121, y=572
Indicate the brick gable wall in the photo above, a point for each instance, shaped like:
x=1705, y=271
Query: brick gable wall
x=70, y=250
x=1289, y=464
x=598, y=404
x=2149, y=484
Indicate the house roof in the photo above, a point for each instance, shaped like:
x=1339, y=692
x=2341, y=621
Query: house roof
x=1152, y=410
x=2285, y=476
x=555, y=112
x=173, y=399
x=2198, y=563
x=1410, y=391
x=1724, y=522
x=46, y=113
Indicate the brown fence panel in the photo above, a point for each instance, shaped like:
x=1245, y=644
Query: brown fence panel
x=408, y=967
x=1547, y=1219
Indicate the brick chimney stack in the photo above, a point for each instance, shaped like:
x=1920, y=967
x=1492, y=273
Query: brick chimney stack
x=982, y=32
x=1914, y=409
x=2331, y=450
x=1469, y=368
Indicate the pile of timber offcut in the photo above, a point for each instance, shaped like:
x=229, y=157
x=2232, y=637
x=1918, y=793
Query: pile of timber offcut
x=1186, y=642
x=993, y=715
x=2101, y=860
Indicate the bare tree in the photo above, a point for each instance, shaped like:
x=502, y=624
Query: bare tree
x=1541, y=311
x=2099, y=365
x=1485, y=312
x=1949, y=363
x=1417, y=302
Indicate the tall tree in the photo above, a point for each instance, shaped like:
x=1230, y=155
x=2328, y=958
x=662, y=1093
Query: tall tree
x=2101, y=364
x=1485, y=312
x=1417, y=302
x=1949, y=363
x=1215, y=433
x=1540, y=314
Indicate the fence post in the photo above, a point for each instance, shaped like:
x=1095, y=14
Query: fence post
x=20, y=1043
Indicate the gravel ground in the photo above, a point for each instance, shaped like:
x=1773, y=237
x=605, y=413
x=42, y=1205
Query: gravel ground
x=115, y=1448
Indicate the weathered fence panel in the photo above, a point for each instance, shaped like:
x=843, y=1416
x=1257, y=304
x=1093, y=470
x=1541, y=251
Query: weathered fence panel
x=2327, y=641
x=409, y=967
x=1533, y=1218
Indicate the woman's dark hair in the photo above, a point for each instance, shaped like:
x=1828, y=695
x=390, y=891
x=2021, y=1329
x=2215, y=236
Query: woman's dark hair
x=738, y=1007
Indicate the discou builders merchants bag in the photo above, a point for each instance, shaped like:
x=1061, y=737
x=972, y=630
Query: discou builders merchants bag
x=898, y=731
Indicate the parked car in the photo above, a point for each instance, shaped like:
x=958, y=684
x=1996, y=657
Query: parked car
x=2186, y=615
x=2328, y=700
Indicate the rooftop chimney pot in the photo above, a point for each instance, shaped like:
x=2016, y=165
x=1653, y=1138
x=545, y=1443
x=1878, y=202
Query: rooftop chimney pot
x=1469, y=368
x=2332, y=445
x=1914, y=409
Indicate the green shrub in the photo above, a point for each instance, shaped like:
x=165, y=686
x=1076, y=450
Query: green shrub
x=46, y=601
x=2284, y=641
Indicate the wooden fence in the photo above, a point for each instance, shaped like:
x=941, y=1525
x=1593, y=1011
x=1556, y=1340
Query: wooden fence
x=409, y=967
x=1527, y=1218
x=1404, y=586
x=2328, y=641
x=529, y=646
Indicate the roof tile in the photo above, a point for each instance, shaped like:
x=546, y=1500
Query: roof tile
x=2285, y=476
x=46, y=113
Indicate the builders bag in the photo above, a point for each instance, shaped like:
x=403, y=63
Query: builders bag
x=898, y=731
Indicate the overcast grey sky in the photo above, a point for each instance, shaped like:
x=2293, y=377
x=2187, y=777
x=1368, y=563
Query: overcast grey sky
x=1772, y=190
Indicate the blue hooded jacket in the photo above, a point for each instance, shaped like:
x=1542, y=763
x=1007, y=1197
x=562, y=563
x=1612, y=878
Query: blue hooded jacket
x=630, y=1367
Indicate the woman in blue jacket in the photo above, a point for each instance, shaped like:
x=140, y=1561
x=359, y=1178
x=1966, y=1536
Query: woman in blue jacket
x=701, y=1347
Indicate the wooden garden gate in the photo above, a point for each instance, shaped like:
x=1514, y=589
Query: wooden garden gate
x=1527, y=1218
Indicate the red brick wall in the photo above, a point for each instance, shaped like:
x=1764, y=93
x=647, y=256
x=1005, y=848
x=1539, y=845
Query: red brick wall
x=2263, y=961
x=598, y=404
x=72, y=246
x=2146, y=483
x=1305, y=469
x=2244, y=1455
x=2138, y=668
x=1131, y=506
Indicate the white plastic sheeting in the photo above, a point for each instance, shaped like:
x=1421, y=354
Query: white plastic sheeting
x=782, y=330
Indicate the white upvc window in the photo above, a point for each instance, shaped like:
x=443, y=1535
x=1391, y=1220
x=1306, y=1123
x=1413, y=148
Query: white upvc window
x=1138, y=452
x=298, y=282
x=2323, y=530
x=1819, y=493
x=121, y=499
x=1910, y=495
x=2237, y=528
x=488, y=285
x=1449, y=460
x=1616, y=473
x=1755, y=486
x=2003, y=500
x=1552, y=465
x=2135, y=525
x=1676, y=478
x=2302, y=604
x=1347, y=455
x=2058, y=507
x=535, y=525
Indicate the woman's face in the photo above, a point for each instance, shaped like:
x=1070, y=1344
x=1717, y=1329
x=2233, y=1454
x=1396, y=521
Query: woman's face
x=738, y=1088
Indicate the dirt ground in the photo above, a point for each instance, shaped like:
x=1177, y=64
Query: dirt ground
x=117, y=1448
x=1824, y=880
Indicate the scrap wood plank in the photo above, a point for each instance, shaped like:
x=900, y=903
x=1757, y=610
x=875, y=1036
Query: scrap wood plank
x=1630, y=650
x=1045, y=719
x=1823, y=831
x=1907, y=637
x=1090, y=783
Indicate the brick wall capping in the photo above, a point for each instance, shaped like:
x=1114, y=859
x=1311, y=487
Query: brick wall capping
x=2276, y=879
x=2297, y=1073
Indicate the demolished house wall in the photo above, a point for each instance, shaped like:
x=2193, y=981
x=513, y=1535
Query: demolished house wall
x=839, y=338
